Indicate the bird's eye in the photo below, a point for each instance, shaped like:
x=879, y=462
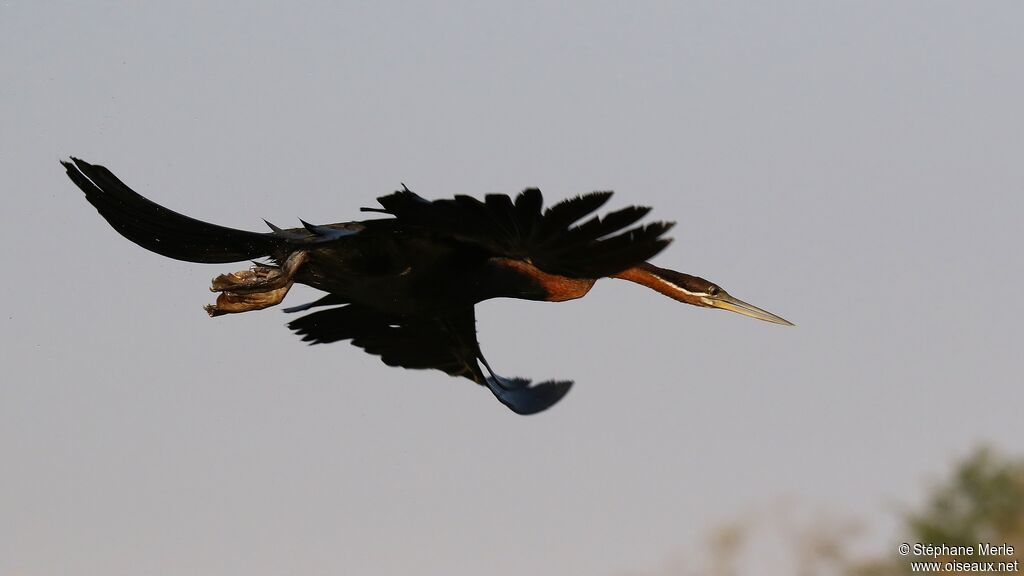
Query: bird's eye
x=714, y=290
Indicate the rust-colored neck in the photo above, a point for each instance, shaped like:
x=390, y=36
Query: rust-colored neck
x=552, y=287
x=667, y=282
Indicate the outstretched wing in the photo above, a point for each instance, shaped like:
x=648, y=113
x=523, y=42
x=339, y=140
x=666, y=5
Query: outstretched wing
x=447, y=343
x=549, y=238
x=408, y=343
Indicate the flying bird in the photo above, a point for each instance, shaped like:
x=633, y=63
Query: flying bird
x=403, y=286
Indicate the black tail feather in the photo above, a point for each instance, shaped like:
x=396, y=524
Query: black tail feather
x=164, y=231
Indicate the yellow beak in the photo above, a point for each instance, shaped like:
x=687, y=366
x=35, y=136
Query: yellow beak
x=726, y=302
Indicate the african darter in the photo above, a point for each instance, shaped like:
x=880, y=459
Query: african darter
x=403, y=287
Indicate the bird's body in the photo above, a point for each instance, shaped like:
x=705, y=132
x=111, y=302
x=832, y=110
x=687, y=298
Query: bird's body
x=403, y=287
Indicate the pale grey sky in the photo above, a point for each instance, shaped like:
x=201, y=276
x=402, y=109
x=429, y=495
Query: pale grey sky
x=853, y=166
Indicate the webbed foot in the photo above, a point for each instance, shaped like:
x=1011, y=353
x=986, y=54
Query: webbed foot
x=259, y=287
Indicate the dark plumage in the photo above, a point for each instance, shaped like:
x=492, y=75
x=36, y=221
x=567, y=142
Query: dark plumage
x=403, y=287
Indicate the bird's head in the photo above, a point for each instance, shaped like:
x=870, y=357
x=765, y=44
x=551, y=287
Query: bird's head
x=696, y=291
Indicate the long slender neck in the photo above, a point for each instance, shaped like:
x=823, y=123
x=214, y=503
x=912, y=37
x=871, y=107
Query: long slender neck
x=668, y=282
x=510, y=277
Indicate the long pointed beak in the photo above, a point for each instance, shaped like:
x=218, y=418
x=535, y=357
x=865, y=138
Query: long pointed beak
x=726, y=302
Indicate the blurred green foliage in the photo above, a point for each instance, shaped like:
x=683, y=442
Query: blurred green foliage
x=983, y=501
